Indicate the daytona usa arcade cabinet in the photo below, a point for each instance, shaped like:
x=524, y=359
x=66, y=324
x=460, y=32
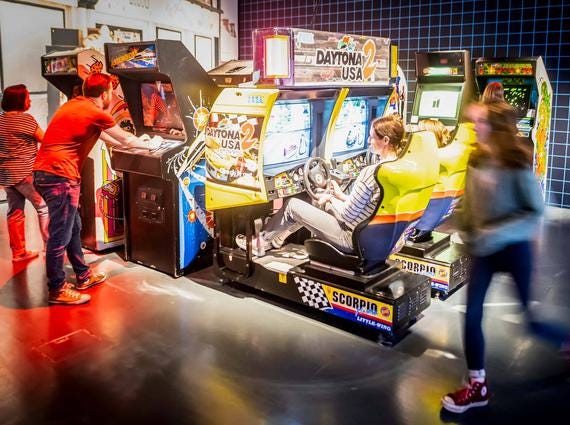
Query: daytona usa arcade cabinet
x=260, y=147
x=168, y=94
x=528, y=90
x=101, y=204
x=445, y=86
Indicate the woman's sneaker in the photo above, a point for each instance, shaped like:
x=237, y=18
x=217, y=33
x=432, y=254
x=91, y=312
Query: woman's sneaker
x=241, y=242
x=475, y=394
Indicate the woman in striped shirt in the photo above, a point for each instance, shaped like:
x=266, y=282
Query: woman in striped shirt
x=342, y=212
x=19, y=138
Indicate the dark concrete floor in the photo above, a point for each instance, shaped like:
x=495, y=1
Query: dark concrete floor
x=149, y=349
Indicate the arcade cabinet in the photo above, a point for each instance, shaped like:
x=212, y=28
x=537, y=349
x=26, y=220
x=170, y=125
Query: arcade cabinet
x=260, y=148
x=445, y=86
x=101, y=204
x=169, y=95
x=528, y=90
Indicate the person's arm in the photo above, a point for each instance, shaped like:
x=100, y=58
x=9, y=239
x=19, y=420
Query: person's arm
x=337, y=191
x=119, y=138
x=110, y=141
x=39, y=134
x=358, y=200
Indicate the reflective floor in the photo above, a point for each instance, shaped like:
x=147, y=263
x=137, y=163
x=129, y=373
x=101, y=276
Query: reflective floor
x=149, y=349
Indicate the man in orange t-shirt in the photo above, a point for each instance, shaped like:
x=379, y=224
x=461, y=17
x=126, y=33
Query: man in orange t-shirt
x=70, y=136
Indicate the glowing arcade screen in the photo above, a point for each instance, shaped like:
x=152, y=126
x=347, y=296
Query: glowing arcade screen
x=288, y=134
x=518, y=97
x=438, y=103
x=350, y=130
x=159, y=107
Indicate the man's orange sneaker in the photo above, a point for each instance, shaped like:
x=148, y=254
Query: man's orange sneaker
x=94, y=279
x=67, y=295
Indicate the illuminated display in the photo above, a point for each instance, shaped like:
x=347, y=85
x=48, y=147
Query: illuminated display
x=438, y=103
x=135, y=56
x=350, y=131
x=288, y=133
x=505, y=68
x=159, y=107
x=518, y=97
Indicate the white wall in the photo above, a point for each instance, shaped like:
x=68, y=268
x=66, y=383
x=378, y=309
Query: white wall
x=146, y=15
x=24, y=39
x=229, y=31
x=25, y=30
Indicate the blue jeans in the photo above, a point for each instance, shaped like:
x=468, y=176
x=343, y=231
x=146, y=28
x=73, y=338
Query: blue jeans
x=16, y=196
x=62, y=198
x=515, y=259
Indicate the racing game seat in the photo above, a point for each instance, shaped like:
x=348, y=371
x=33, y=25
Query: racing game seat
x=406, y=186
x=449, y=189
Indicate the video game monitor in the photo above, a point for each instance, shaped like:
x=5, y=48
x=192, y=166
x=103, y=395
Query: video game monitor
x=350, y=131
x=518, y=97
x=160, y=109
x=288, y=134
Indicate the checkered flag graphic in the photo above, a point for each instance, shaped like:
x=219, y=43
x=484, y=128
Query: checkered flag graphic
x=231, y=120
x=312, y=293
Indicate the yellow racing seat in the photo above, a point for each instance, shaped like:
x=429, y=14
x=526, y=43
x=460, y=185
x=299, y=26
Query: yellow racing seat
x=453, y=160
x=406, y=186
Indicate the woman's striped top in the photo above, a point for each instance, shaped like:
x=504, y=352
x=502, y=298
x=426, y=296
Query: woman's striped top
x=18, y=147
x=362, y=200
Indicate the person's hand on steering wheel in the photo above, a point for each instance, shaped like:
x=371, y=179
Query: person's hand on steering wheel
x=323, y=198
x=337, y=191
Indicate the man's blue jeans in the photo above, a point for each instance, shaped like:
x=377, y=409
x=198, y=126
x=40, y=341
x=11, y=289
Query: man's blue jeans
x=62, y=198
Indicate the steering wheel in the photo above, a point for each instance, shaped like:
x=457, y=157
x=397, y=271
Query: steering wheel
x=316, y=176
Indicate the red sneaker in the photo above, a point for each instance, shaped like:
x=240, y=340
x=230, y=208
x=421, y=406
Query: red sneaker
x=27, y=255
x=475, y=394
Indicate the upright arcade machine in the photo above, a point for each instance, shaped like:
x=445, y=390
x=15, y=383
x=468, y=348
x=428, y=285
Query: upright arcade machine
x=528, y=91
x=445, y=86
x=101, y=204
x=261, y=147
x=169, y=95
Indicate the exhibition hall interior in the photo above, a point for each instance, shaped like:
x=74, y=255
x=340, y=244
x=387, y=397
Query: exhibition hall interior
x=290, y=212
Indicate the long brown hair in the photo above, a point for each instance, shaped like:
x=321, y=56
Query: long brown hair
x=506, y=146
x=494, y=92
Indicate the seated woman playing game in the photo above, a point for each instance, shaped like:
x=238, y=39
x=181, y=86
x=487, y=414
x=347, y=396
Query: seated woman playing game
x=339, y=214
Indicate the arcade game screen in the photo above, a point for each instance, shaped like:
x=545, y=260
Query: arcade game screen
x=288, y=134
x=438, y=103
x=349, y=132
x=518, y=97
x=159, y=107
